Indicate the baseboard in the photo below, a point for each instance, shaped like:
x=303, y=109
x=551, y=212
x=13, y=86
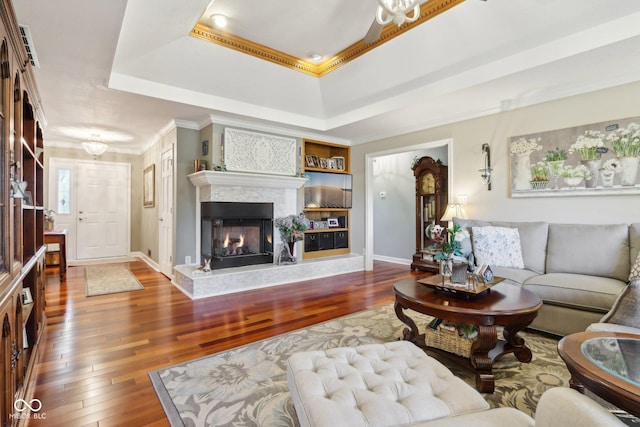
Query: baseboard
x=392, y=259
x=93, y=261
x=151, y=263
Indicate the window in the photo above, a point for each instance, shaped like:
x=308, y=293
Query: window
x=64, y=191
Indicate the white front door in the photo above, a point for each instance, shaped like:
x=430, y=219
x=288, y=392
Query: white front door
x=102, y=209
x=165, y=229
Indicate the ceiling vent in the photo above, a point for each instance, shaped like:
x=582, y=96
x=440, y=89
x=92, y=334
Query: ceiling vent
x=25, y=33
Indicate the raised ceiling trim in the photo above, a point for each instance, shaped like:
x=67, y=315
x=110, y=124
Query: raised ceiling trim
x=428, y=10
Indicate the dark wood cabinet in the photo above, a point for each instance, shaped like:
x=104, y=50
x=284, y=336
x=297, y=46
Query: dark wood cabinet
x=431, y=203
x=22, y=250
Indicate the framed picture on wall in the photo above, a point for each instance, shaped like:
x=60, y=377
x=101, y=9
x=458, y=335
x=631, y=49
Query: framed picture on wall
x=148, y=181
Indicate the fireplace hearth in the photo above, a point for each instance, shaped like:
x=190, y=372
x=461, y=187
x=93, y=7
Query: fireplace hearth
x=235, y=234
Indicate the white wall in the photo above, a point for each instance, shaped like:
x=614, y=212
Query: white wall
x=392, y=174
x=466, y=159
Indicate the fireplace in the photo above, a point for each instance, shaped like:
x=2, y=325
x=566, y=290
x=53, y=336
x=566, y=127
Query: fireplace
x=234, y=234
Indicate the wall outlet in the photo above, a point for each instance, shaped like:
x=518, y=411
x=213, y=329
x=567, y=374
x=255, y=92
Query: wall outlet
x=187, y=259
x=383, y=194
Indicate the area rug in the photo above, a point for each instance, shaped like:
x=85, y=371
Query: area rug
x=110, y=279
x=247, y=386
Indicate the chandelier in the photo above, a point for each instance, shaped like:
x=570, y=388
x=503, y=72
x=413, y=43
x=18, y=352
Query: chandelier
x=397, y=11
x=94, y=147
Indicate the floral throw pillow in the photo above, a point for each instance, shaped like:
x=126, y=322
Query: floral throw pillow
x=497, y=246
x=635, y=270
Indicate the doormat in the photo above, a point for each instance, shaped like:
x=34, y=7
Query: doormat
x=110, y=280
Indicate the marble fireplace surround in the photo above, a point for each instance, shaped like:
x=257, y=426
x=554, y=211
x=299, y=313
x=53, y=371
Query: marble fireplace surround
x=283, y=192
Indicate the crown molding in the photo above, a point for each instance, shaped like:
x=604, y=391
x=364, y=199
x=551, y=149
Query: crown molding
x=428, y=10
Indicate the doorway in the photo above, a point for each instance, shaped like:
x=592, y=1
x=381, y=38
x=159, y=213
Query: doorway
x=91, y=200
x=396, y=212
x=165, y=232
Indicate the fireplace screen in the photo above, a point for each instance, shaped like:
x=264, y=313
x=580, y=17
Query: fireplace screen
x=237, y=234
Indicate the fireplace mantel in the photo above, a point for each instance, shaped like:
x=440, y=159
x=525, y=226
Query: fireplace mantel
x=208, y=178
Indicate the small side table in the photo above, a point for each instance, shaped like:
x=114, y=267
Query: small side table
x=59, y=237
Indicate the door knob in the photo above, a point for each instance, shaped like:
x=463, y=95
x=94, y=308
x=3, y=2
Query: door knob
x=80, y=212
x=161, y=219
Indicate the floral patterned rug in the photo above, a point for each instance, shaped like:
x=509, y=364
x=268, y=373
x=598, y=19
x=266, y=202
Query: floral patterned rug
x=247, y=386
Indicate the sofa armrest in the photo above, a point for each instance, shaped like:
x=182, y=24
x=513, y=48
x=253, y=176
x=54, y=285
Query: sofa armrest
x=561, y=406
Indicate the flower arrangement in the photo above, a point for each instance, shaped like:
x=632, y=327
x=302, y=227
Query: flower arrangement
x=586, y=146
x=580, y=171
x=524, y=145
x=448, y=241
x=539, y=172
x=555, y=155
x=625, y=142
x=612, y=165
x=292, y=227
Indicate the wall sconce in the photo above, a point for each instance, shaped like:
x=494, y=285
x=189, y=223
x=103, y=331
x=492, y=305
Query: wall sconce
x=485, y=173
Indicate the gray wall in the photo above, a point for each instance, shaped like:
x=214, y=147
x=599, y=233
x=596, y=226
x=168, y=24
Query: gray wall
x=394, y=215
x=468, y=136
x=188, y=148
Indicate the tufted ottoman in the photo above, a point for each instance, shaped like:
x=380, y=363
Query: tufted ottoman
x=388, y=384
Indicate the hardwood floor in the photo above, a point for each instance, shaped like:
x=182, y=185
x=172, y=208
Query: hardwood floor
x=98, y=350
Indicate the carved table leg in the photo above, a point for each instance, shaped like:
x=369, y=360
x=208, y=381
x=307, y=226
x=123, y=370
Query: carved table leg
x=516, y=342
x=480, y=359
x=407, y=335
x=576, y=385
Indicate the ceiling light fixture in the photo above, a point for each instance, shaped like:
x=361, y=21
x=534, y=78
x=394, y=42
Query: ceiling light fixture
x=397, y=11
x=219, y=21
x=315, y=57
x=94, y=147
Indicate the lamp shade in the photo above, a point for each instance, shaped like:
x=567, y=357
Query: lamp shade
x=453, y=210
x=95, y=147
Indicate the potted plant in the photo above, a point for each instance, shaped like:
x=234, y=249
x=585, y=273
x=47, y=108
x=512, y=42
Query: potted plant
x=539, y=173
x=292, y=228
x=448, y=243
x=555, y=160
x=574, y=175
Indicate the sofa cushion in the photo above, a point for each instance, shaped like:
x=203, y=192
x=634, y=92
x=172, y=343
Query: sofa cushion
x=497, y=246
x=594, y=250
x=634, y=241
x=468, y=224
x=576, y=290
x=533, y=240
x=377, y=384
x=635, y=269
x=516, y=275
x=626, y=309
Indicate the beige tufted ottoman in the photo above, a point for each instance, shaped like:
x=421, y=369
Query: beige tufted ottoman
x=375, y=385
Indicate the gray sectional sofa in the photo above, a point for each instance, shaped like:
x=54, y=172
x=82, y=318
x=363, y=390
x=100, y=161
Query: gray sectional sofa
x=577, y=270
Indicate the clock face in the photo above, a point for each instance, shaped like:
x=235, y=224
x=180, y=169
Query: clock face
x=428, y=183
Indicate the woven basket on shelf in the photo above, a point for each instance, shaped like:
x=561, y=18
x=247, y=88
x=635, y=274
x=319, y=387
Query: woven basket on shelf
x=450, y=341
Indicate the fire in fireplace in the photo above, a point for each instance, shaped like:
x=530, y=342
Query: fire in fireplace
x=236, y=234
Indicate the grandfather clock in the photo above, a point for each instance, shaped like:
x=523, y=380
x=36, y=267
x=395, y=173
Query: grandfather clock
x=431, y=203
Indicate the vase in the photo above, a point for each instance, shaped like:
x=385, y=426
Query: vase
x=629, y=171
x=446, y=267
x=555, y=167
x=522, y=171
x=572, y=181
x=594, y=169
x=607, y=177
x=292, y=247
x=459, y=273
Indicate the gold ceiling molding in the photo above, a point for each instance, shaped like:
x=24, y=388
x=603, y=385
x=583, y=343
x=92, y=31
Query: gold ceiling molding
x=428, y=10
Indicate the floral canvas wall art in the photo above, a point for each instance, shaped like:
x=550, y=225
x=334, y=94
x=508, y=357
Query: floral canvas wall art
x=595, y=159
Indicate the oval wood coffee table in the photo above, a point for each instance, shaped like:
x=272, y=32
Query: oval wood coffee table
x=606, y=363
x=505, y=305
